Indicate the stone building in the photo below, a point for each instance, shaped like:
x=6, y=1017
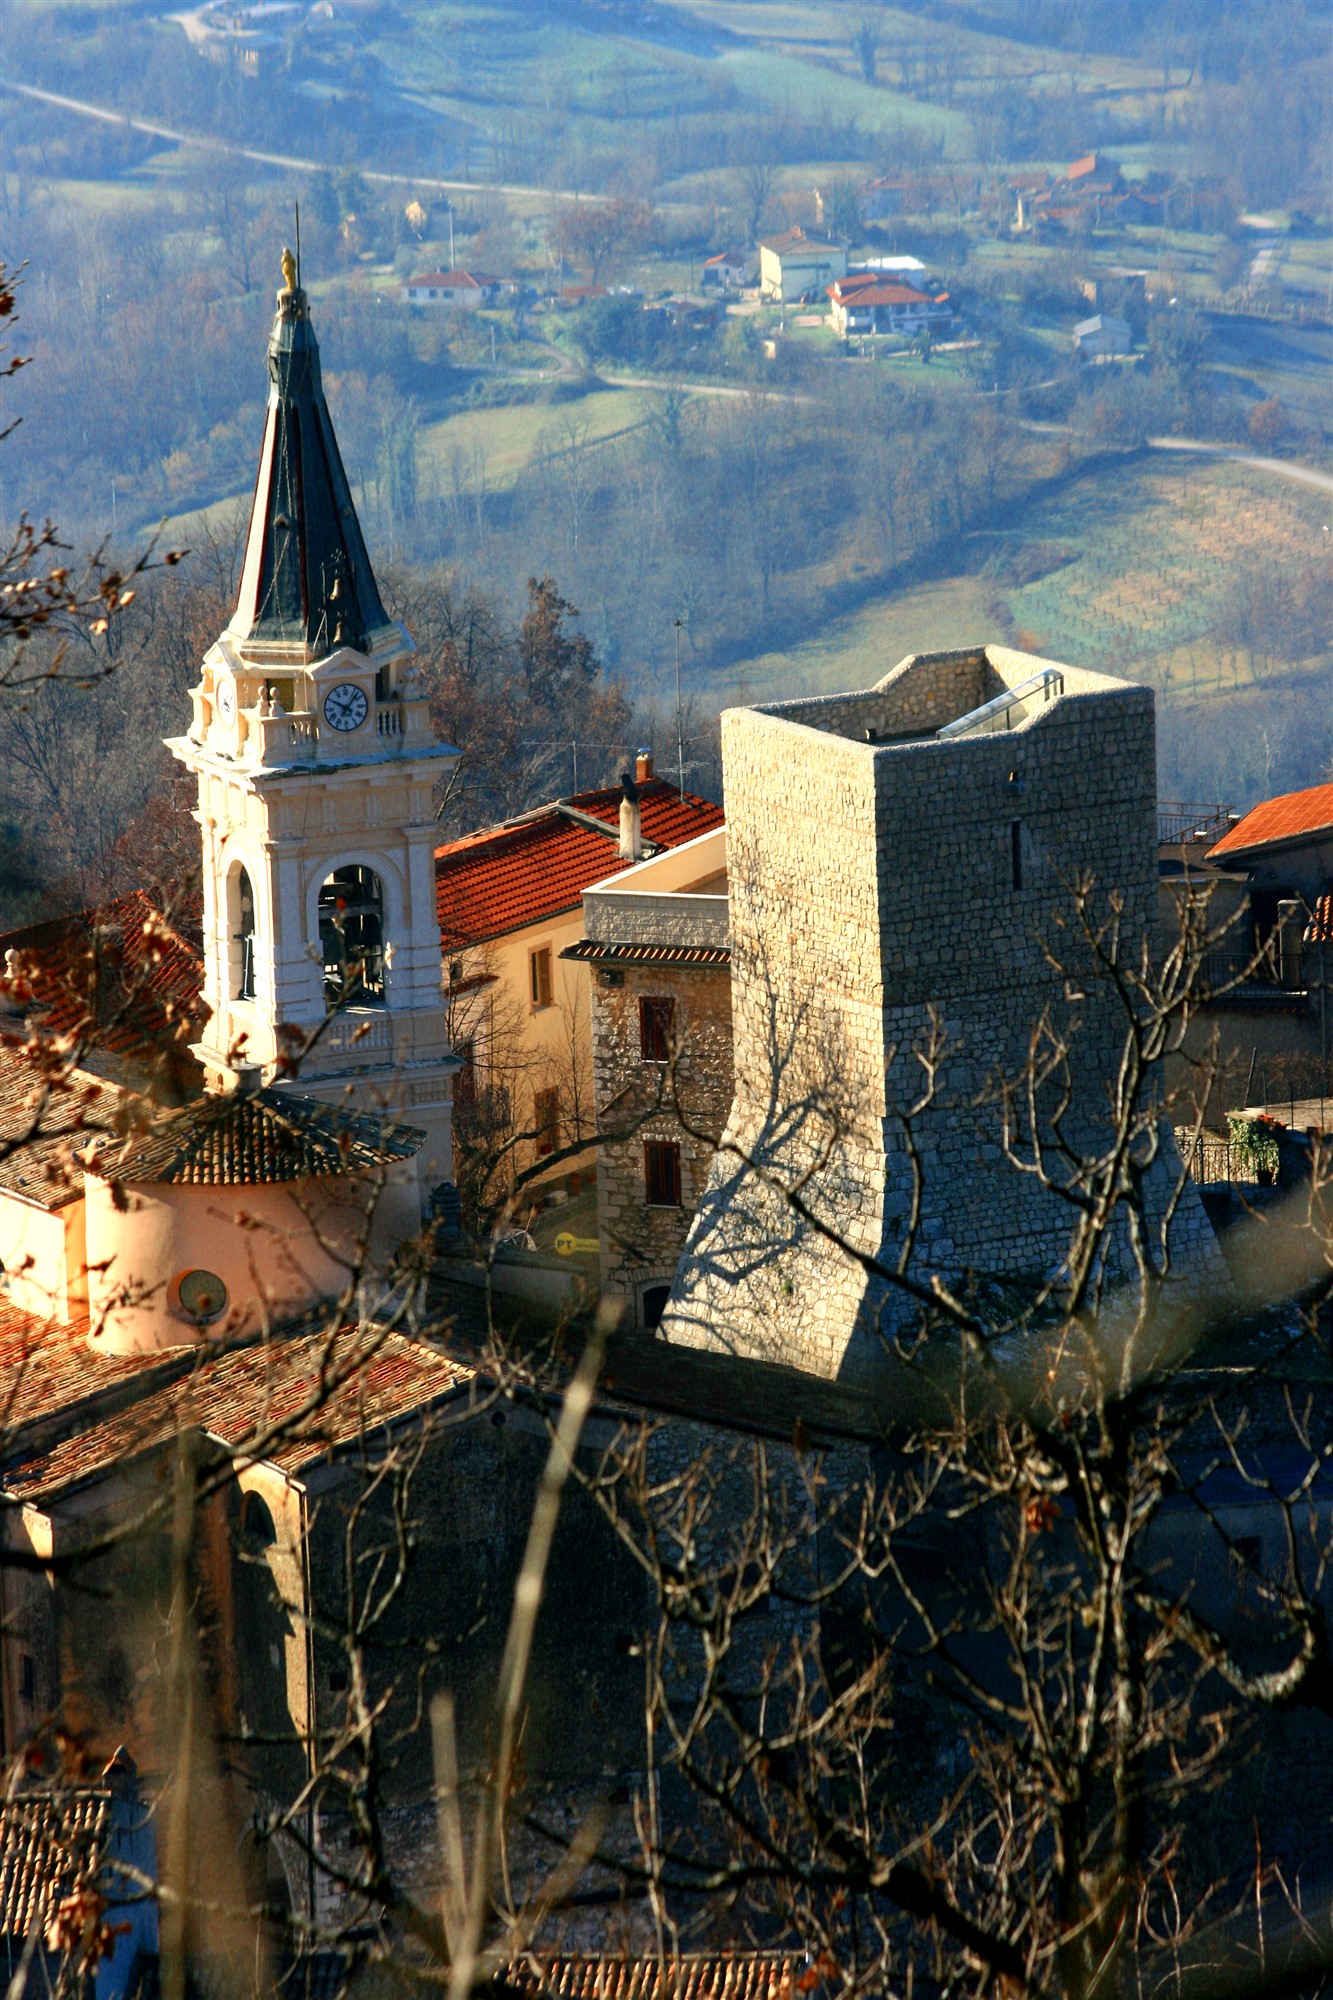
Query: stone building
x=900, y=864
x=656, y=939
x=508, y=905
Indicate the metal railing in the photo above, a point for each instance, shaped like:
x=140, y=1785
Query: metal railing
x=1208, y=1158
x=1007, y=710
x=1240, y=971
x=1180, y=821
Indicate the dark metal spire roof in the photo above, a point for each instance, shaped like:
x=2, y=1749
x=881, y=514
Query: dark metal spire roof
x=306, y=580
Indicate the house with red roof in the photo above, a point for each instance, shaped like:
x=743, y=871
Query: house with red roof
x=870, y=304
x=510, y=900
x=727, y=272
x=453, y=290
x=1266, y=1022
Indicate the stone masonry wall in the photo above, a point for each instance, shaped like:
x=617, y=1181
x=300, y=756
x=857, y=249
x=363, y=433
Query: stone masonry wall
x=875, y=902
x=642, y=1245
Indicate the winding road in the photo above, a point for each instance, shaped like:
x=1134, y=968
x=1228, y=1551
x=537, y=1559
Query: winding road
x=291, y=162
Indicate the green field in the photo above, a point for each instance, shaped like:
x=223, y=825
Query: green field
x=491, y=448
x=1140, y=568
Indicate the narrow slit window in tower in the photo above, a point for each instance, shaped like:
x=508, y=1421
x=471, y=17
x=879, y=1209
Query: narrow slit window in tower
x=245, y=937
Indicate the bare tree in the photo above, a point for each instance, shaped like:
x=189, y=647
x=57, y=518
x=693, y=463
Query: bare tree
x=755, y=185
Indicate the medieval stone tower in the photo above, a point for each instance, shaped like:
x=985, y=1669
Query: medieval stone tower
x=315, y=761
x=899, y=861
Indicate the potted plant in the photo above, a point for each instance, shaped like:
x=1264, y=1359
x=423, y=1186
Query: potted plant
x=1254, y=1146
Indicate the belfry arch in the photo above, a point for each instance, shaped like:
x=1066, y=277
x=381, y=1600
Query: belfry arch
x=352, y=937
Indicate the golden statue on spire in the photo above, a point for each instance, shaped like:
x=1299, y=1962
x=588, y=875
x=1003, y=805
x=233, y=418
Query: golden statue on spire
x=288, y=269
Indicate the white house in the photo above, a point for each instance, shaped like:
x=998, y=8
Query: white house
x=726, y=272
x=793, y=264
x=1101, y=336
x=452, y=290
x=878, y=306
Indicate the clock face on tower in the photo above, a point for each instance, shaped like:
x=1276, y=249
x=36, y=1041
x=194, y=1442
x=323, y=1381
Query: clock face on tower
x=345, y=706
x=226, y=699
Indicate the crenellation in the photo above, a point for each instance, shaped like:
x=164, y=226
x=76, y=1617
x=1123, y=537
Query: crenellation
x=884, y=896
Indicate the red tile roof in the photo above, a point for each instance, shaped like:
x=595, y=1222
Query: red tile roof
x=701, y=957
x=1319, y=930
x=124, y=975
x=1290, y=816
x=286, y=1401
x=266, y=1136
x=537, y=867
x=888, y=294
x=48, y=1370
x=48, y=1112
x=52, y=1842
x=722, y=1975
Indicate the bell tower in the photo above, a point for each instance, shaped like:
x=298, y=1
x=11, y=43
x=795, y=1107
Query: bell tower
x=312, y=748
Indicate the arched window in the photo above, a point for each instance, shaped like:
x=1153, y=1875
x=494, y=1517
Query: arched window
x=351, y=935
x=244, y=937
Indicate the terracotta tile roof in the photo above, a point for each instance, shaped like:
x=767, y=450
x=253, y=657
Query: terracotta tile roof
x=48, y=1371
x=123, y=975
x=1319, y=930
x=740, y=1975
x=594, y=951
x=881, y=295
x=1290, y=816
x=537, y=867
x=286, y=1401
x=269, y=1135
x=47, y=1115
x=50, y=1842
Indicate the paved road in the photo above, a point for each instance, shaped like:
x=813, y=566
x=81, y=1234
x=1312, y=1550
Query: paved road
x=290, y=161
x=1302, y=475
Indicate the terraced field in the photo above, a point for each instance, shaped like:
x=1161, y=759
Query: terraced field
x=1135, y=572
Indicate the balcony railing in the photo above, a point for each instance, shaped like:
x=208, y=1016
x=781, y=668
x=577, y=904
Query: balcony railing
x=1179, y=822
x=1007, y=710
x=1241, y=974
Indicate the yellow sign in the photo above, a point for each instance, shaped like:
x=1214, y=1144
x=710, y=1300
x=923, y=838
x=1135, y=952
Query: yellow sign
x=575, y=1246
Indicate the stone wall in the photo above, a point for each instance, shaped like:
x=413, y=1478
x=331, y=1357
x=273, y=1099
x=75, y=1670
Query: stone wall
x=884, y=897
x=642, y=1101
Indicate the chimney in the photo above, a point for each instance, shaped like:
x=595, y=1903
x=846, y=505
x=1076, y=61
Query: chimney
x=643, y=766
x=631, y=820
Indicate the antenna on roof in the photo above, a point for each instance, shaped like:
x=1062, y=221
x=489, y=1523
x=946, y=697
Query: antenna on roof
x=297, y=206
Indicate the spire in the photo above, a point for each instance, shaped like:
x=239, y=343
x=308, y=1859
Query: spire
x=306, y=580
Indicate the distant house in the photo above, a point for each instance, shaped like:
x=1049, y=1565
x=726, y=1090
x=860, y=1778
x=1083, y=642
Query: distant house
x=688, y=314
x=726, y=272
x=881, y=199
x=878, y=306
x=1101, y=336
x=581, y=295
x=1092, y=167
x=453, y=290
x=1090, y=194
x=1121, y=292
x=794, y=264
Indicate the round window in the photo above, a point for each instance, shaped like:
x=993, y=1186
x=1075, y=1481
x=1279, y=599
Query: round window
x=201, y=1296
